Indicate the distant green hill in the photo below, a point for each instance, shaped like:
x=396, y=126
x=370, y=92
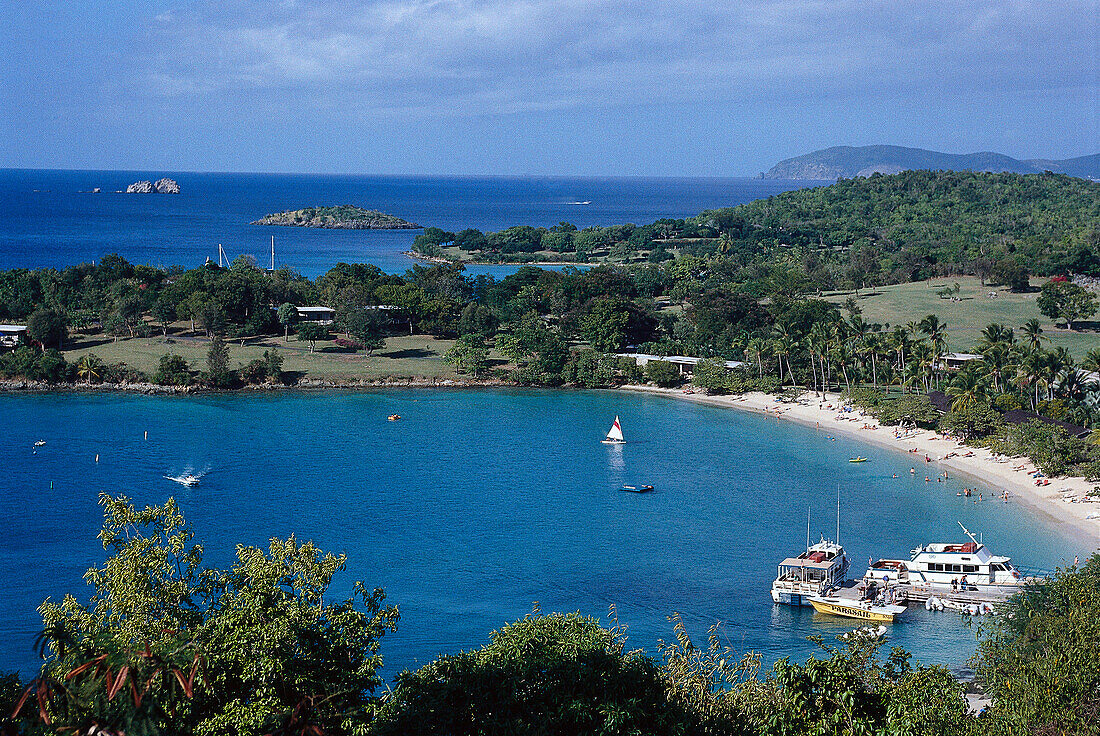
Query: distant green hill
x=851, y=161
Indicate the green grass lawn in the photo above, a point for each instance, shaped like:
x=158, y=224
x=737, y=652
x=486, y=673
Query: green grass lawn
x=965, y=319
x=419, y=356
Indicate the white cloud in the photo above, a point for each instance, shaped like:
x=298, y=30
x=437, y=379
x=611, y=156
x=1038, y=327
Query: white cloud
x=518, y=55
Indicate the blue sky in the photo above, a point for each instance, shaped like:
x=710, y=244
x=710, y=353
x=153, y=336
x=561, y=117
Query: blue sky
x=672, y=88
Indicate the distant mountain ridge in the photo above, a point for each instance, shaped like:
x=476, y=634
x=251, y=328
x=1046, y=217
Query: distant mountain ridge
x=850, y=161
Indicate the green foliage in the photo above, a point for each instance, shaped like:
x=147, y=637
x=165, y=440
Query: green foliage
x=268, y=368
x=556, y=674
x=907, y=409
x=975, y=420
x=468, y=355
x=1066, y=301
x=592, y=369
x=47, y=328
x=28, y=363
x=605, y=324
x=172, y=371
x=287, y=314
x=261, y=648
x=663, y=373
x=1048, y=445
x=477, y=320
x=711, y=374
x=217, y=363
x=311, y=332
x=1038, y=659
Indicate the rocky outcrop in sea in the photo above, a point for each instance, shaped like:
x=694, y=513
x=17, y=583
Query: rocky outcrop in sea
x=162, y=186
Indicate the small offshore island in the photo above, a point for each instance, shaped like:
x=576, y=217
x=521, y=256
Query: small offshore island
x=343, y=217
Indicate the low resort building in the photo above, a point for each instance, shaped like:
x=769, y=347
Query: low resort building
x=955, y=361
x=9, y=336
x=685, y=363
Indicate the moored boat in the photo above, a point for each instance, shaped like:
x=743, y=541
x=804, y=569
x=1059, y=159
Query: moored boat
x=637, y=489
x=862, y=610
x=815, y=572
x=951, y=567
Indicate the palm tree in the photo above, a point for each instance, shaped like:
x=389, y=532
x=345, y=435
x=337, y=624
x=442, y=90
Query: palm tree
x=995, y=356
x=937, y=334
x=89, y=368
x=967, y=389
x=1033, y=333
x=1029, y=372
x=996, y=334
x=783, y=343
x=1091, y=361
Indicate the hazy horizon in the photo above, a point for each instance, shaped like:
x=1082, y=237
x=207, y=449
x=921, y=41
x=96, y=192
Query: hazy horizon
x=681, y=88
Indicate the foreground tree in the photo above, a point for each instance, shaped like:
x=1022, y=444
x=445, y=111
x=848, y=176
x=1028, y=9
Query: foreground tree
x=1039, y=659
x=166, y=645
x=553, y=674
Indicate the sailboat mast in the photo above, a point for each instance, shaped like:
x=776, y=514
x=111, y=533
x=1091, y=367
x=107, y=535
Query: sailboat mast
x=272, y=252
x=807, y=527
x=838, y=513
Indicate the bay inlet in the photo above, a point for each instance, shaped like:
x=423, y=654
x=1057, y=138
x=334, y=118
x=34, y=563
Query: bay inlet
x=479, y=503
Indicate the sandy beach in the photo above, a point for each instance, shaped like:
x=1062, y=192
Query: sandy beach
x=1064, y=501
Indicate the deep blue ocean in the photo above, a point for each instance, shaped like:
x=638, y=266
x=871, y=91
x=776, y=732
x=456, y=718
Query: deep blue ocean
x=478, y=503
x=48, y=218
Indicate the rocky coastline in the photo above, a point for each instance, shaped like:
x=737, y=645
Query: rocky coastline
x=151, y=389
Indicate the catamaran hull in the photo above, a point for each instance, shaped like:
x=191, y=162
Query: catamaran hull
x=787, y=598
x=613, y=442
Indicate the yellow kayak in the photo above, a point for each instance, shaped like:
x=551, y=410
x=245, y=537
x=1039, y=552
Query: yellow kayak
x=857, y=459
x=856, y=609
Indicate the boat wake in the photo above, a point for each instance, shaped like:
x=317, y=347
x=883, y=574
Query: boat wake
x=188, y=477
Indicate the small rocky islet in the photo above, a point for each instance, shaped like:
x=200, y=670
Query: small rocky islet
x=160, y=186
x=344, y=216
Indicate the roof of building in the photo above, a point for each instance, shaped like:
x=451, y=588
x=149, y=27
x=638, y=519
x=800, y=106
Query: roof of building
x=13, y=328
x=963, y=356
x=680, y=359
x=940, y=400
x=1021, y=416
x=315, y=309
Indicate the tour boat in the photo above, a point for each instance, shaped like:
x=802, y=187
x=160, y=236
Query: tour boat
x=614, y=435
x=935, y=567
x=849, y=608
x=815, y=572
x=637, y=489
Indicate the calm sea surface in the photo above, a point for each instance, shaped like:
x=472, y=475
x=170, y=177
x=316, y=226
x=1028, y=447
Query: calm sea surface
x=479, y=503
x=45, y=220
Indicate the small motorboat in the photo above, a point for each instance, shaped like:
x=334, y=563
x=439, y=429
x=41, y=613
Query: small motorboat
x=40, y=443
x=394, y=417
x=637, y=489
x=859, y=459
x=864, y=610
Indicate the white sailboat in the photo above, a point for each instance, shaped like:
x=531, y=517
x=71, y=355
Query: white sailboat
x=614, y=435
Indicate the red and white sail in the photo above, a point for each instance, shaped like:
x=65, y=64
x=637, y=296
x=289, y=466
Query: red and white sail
x=615, y=434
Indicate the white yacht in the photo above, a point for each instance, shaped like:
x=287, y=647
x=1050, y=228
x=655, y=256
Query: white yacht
x=949, y=567
x=815, y=572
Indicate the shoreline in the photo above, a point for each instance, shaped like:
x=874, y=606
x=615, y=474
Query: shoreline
x=1061, y=503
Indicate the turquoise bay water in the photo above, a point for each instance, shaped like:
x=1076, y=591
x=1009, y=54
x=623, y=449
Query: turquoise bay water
x=479, y=503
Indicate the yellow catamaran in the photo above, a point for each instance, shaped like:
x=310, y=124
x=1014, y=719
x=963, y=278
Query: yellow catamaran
x=863, y=610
